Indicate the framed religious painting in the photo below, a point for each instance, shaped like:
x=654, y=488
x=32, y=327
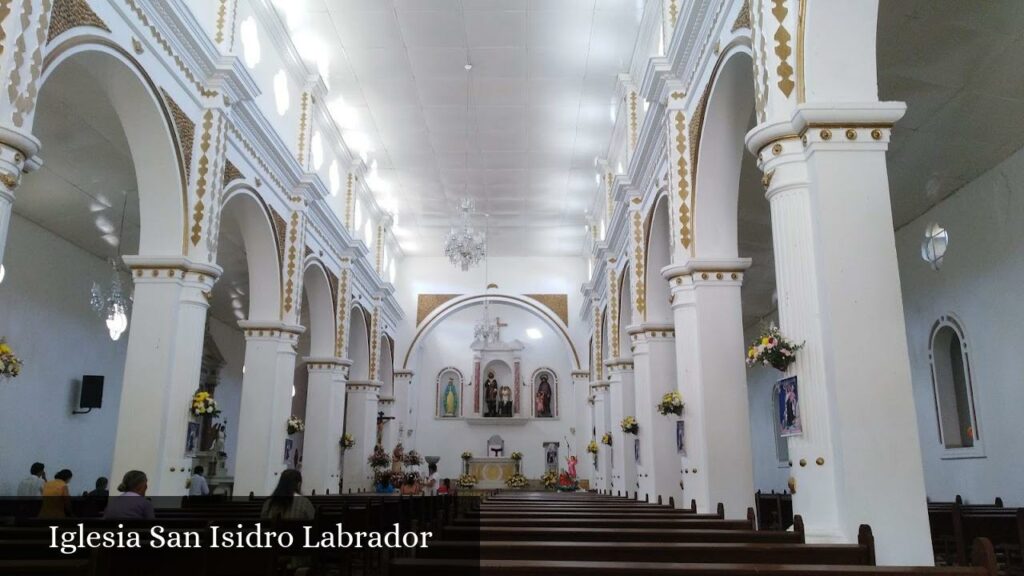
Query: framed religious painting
x=191, y=438
x=636, y=451
x=681, y=437
x=787, y=407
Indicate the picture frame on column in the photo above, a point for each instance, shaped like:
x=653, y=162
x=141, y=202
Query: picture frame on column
x=191, y=438
x=787, y=407
x=289, y=446
x=681, y=438
x=636, y=450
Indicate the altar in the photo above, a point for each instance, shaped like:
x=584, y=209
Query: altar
x=491, y=472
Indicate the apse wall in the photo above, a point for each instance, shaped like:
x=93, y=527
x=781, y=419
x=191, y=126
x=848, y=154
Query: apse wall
x=46, y=318
x=980, y=282
x=449, y=345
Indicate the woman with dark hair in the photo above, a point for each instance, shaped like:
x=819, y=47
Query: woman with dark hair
x=287, y=502
x=57, y=496
x=131, y=501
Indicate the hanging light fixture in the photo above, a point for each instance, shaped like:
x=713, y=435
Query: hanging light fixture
x=464, y=246
x=114, y=304
x=487, y=330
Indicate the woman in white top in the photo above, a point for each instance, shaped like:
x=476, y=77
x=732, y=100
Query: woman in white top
x=430, y=486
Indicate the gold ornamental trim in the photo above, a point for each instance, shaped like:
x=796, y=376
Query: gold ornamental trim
x=68, y=14
x=178, y=61
x=782, y=48
x=685, y=217
x=232, y=173
x=342, y=306
x=302, y=127
x=742, y=18
x=557, y=303
x=613, y=310
x=427, y=303
x=639, y=265
x=293, y=249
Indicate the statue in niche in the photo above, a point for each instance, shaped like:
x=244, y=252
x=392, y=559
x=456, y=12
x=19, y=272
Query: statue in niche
x=491, y=395
x=542, y=399
x=450, y=399
x=505, y=402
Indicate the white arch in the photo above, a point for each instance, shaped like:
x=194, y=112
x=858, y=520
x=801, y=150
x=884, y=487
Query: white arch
x=320, y=310
x=455, y=304
x=247, y=210
x=152, y=142
x=659, y=255
x=358, y=344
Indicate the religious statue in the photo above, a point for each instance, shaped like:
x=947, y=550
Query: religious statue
x=217, y=446
x=542, y=399
x=491, y=395
x=450, y=399
x=505, y=402
x=572, y=466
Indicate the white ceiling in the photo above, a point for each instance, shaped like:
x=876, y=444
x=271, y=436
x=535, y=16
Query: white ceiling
x=957, y=65
x=539, y=94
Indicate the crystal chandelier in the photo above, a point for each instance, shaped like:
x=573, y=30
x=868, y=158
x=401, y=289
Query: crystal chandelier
x=112, y=305
x=464, y=246
x=115, y=304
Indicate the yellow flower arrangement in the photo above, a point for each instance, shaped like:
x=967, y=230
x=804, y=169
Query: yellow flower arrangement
x=671, y=403
x=203, y=404
x=592, y=447
x=10, y=364
x=606, y=439
x=347, y=441
x=772, y=349
x=467, y=481
x=629, y=425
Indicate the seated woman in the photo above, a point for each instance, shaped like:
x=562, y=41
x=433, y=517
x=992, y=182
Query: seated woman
x=131, y=501
x=287, y=502
x=56, y=497
x=445, y=487
x=411, y=485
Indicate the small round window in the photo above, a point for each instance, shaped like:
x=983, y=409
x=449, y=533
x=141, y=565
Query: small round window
x=934, y=246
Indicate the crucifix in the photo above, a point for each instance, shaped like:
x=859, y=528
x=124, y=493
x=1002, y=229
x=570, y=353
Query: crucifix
x=381, y=419
x=499, y=325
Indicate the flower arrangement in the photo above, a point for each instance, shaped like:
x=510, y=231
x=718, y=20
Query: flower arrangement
x=395, y=477
x=467, y=455
x=383, y=480
x=204, y=405
x=295, y=424
x=379, y=458
x=671, y=403
x=466, y=481
x=517, y=456
x=347, y=441
x=772, y=349
x=592, y=447
x=516, y=481
x=10, y=365
x=606, y=439
x=629, y=425
x=567, y=483
x=413, y=477
x=412, y=459
x=550, y=479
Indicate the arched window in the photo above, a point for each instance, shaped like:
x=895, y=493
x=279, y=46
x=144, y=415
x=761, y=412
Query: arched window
x=954, y=391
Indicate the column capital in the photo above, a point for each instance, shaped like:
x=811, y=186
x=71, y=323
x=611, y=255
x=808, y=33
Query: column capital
x=580, y=375
x=327, y=364
x=599, y=386
x=836, y=123
x=618, y=365
x=363, y=385
x=172, y=268
x=704, y=272
x=271, y=330
x=404, y=373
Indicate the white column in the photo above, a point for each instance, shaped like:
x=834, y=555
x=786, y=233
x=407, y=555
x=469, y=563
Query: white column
x=390, y=432
x=361, y=423
x=655, y=367
x=266, y=405
x=602, y=413
x=858, y=459
x=718, y=466
x=582, y=417
x=161, y=372
x=403, y=402
x=325, y=410
x=622, y=402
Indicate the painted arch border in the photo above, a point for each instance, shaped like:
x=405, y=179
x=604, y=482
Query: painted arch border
x=455, y=304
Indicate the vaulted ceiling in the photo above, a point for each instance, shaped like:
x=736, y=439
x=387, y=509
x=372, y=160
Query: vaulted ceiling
x=519, y=132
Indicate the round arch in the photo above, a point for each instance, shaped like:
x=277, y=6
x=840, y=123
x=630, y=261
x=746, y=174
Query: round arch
x=359, y=344
x=625, y=314
x=455, y=304
x=320, y=310
x=245, y=209
x=386, y=372
x=728, y=114
x=148, y=128
x=659, y=255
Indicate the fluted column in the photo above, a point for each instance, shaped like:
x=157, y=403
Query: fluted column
x=718, y=465
x=655, y=367
x=325, y=410
x=266, y=405
x=161, y=372
x=361, y=422
x=622, y=403
x=858, y=459
x=602, y=412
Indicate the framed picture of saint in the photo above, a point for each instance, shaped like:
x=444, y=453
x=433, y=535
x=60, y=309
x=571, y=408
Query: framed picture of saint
x=636, y=451
x=545, y=393
x=681, y=437
x=191, y=438
x=449, y=392
x=550, y=456
x=787, y=406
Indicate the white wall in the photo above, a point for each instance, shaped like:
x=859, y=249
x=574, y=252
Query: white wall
x=46, y=318
x=980, y=282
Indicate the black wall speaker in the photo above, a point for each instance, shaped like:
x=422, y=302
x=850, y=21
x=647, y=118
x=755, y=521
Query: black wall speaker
x=92, y=392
